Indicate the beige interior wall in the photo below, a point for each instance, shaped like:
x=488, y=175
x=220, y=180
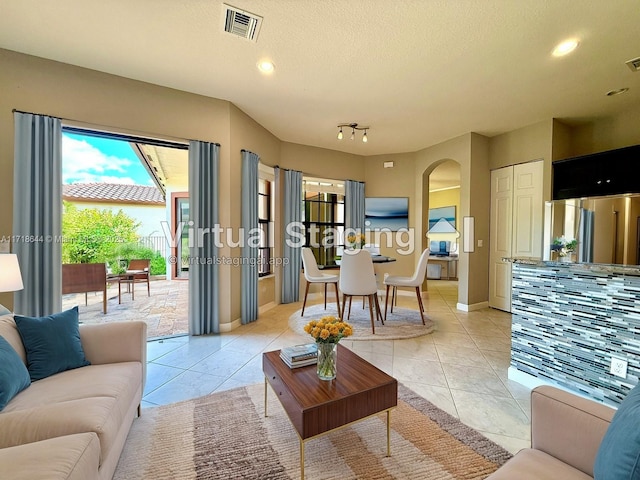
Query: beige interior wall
x=395, y=182
x=459, y=150
x=533, y=142
x=107, y=102
x=479, y=208
x=607, y=133
x=245, y=134
x=446, y=198
x=321, y=162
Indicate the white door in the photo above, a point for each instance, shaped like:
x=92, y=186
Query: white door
x=500, y=238
x=516, y=225
x=527, y=210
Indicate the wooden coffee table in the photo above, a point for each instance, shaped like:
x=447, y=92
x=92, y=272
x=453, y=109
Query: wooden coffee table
x=316, y=407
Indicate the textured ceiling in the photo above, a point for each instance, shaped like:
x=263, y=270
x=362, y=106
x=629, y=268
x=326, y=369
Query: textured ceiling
x=418, y=72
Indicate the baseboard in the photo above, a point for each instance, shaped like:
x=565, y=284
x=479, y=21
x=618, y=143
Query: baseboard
x=472, y=307
x=266, y=307
x=531, y=382
x=227, y=327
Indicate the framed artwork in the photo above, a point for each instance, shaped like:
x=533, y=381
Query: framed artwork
x=448, y=213
x=391, y=213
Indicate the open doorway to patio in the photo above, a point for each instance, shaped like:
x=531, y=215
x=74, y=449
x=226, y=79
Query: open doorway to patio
x=117, y=211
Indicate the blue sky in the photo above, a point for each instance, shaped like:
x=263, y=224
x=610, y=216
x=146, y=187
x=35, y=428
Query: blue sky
x=91, y=159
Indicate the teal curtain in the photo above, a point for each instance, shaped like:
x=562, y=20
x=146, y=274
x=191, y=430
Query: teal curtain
x=292, y=198
x=354, y=205
x=37, y=213
x=204, y=316
x=249, y=223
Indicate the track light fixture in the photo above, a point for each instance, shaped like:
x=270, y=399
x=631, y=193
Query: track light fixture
x=353, y=127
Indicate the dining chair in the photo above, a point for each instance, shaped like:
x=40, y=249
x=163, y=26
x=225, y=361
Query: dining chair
x=312, y=274
x=415, y=281
x=358, y=279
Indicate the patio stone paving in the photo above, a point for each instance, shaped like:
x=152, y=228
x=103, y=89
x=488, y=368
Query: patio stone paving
x=165, y=310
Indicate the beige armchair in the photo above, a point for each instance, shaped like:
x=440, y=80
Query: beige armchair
x=566, y=432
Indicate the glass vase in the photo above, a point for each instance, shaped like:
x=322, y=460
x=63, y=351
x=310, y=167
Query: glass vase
x=327, y=361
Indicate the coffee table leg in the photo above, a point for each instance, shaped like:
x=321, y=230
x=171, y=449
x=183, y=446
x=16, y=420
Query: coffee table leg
x=388, y=433
x=265, y=396
x=301, y=459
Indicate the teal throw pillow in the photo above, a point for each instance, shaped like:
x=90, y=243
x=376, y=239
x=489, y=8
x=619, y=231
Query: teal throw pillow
x=618, y=457
x=14, y=376
x=52, y=343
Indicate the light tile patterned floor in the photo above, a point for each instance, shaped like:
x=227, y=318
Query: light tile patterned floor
x=461, y=367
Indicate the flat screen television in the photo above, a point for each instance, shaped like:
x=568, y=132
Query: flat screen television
x=441, y=248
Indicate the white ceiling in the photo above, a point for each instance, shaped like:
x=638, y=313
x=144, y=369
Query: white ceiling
x=417, y=72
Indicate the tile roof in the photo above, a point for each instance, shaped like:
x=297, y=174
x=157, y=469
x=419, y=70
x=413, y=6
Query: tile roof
x=113, y=192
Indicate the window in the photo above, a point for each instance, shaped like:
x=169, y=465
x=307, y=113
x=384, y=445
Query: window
x=323, y=219
x=264, y=224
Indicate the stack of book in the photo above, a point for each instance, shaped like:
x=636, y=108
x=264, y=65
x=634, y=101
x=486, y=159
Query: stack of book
x=300, y=355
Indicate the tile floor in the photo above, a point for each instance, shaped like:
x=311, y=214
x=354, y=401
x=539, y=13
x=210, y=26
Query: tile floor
x=461, y=367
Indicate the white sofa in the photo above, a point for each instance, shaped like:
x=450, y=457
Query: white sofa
x=73, y=425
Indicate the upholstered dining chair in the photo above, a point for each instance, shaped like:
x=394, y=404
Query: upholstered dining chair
x=312, y=274
x=358, y=279
x=415, y=281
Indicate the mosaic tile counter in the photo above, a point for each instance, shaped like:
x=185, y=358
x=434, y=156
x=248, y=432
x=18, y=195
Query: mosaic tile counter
x=569, y=320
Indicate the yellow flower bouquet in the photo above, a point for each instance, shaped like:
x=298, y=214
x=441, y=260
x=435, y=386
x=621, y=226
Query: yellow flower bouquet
x=327, y=332
x=356, y=240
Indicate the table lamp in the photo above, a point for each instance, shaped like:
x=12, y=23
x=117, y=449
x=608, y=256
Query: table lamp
x=10, y=278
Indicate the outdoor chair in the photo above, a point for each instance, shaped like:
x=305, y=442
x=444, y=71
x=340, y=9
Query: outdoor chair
x=139, y=271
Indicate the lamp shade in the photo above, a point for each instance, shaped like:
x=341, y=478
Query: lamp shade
x=10, y=278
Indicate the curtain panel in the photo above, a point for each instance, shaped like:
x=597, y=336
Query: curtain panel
x=204, y=160
x=37, y=213
x=292, y=198
x=354, y=205
x=249, y=224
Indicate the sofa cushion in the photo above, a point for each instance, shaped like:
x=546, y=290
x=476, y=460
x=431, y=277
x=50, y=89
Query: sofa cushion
x=99, y=415
x=14, y=376
x=529, y=464
x=619, y=453
x=52, y=343
x=9, y=331
x=71, y=457
x=121, y=381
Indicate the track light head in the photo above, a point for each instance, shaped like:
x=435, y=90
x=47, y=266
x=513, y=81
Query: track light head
x=340, y=134
x=364, y=137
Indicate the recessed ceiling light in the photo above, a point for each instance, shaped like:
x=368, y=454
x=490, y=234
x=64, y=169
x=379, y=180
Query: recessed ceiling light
x=565, y=47
x=612, y=93
x=266, y=66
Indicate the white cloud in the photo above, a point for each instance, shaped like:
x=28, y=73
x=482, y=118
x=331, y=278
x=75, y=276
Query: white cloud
x=84, y=163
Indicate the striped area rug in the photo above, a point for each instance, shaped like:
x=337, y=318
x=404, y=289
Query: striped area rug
x=226, y=436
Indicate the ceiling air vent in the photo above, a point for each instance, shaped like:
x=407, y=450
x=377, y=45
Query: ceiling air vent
x=633, y=64
x=241, y=23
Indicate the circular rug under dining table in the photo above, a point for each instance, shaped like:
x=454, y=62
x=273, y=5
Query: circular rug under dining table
x=402, y=323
